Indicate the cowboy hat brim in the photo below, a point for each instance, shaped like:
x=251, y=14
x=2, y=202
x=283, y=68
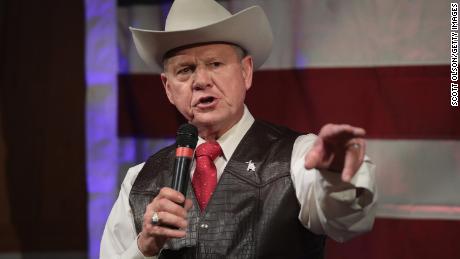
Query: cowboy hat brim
x=248, y=29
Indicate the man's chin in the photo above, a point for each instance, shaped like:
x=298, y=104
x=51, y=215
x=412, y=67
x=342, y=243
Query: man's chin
x=204, y=123
x=207, y=120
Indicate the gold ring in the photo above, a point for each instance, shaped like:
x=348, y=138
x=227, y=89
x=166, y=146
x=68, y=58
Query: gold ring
x=155, y=218
x=355, y=145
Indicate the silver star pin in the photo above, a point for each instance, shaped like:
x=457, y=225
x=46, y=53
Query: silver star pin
x=251, y=166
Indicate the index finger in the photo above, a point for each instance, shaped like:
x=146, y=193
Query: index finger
x=354, y=157
x=333, y=130
x=171, y=195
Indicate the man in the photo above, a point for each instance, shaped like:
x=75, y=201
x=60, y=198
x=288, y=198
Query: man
x=258, y=190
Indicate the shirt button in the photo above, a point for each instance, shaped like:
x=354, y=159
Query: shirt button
x=204, y=225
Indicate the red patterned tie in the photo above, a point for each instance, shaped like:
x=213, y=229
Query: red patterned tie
x=205, y=176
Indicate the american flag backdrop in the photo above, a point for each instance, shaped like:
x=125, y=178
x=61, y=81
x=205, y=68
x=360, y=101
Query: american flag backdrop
x=380, y=65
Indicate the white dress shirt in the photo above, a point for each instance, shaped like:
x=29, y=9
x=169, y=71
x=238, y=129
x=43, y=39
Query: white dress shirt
x=346, y=215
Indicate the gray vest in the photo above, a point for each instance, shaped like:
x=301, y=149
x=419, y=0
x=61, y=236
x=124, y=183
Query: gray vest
x=250, y=215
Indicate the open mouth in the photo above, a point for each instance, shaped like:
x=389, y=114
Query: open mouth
x=206, y=100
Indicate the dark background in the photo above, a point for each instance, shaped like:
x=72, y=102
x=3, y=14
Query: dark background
x=42, y=141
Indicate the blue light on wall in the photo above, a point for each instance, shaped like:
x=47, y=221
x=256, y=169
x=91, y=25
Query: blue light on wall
x=101, y=114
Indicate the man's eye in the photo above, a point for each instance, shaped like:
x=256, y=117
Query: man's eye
x=216, y=64
x=184, y=70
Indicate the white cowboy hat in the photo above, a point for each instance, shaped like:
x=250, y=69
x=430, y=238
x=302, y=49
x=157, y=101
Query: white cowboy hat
x=201, y=21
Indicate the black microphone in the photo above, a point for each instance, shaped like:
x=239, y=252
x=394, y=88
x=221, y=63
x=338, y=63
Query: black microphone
x=186, y=139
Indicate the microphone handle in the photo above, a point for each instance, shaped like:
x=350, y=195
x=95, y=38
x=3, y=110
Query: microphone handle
x=181, y=174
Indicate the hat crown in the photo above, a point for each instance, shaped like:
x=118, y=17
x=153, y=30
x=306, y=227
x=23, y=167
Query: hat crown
x=192, y=14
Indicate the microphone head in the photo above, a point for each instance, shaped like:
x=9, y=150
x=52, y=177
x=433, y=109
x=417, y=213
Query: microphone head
x=187, y=136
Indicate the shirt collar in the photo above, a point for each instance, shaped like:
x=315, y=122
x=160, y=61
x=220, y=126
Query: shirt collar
x=230, y=140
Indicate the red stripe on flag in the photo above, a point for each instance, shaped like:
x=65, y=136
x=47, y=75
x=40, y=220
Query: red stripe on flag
x=389, y=102
x=143, y=109
x=402, y=239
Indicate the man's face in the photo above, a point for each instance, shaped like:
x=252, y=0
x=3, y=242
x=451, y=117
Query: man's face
x=208, y=85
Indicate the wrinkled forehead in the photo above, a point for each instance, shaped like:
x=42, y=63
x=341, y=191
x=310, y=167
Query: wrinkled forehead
x=213, y=49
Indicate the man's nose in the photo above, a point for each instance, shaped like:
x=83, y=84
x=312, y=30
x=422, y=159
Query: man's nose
x=202, y=79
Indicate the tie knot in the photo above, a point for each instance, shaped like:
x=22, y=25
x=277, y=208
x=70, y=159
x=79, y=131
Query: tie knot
x=210, y=148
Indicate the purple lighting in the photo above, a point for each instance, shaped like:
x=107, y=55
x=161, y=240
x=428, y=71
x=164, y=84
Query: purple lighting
x=101, y=107
x=108, y=157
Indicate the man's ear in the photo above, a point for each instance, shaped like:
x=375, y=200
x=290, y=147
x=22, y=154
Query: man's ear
x=247, y=66
x=167, y=87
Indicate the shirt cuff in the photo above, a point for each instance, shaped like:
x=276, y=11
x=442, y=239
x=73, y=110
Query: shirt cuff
x=133, y=252
x=361, y=183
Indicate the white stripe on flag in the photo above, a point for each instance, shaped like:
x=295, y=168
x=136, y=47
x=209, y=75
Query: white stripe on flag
x=328, y=33
x=417, y=178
